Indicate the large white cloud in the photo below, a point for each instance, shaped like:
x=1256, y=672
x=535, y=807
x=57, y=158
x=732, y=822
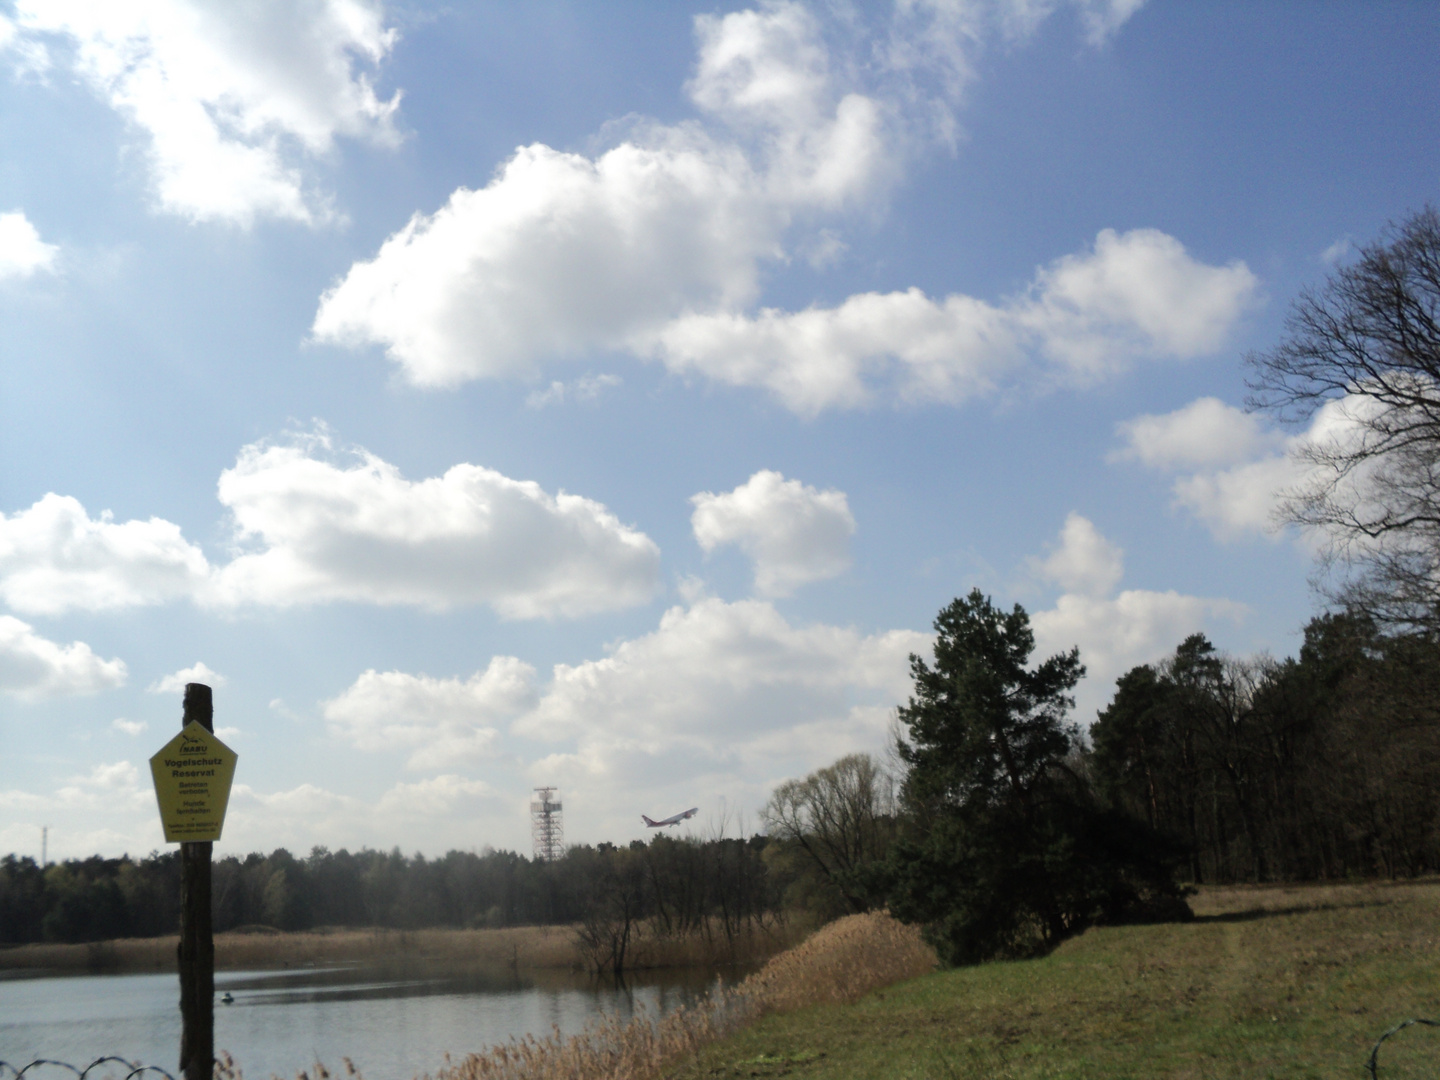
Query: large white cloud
x=1083, y=561
x=233, y=99
x=1231, y=472
x=721, y=699
x=557, y=255
x=1205, y=433
x=1114, y=631
x=54, y=557
x=767, y=75
x=313, y=525
x=1137, y=295
x=794, y=533
x=34, y=667
x=657, y=245
x=22, y=252
x=442, y=722
x=716, y=704
x=561, y=253
x=326, y=530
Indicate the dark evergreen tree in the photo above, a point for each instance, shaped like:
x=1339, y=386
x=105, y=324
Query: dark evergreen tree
x=1008, y=851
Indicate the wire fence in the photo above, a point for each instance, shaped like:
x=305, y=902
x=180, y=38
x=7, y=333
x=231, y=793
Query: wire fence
x=133, y=1069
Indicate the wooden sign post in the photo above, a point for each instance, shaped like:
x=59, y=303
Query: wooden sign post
x=192, y=774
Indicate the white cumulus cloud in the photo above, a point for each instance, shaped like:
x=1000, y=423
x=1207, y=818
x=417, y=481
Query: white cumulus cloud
x=199, y=672
x=1083, y=561
x=22, y=252
x=54, y=557
x=559, y=254
x=233, y=100
x=313, y=525
x=1205, y=433
x=1137, y=295
x=33, y=667
x=656, y=246
x=1114, y=631
x=720, y=697
x=442, y=722
x=324, y=530
x=1230, y=471
x=794, y=533
x=449, y=796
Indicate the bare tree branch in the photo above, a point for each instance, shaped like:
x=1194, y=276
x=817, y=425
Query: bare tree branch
x=1366, y=345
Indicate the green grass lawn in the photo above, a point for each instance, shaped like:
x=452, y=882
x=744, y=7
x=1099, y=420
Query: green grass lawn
x=1294, y=983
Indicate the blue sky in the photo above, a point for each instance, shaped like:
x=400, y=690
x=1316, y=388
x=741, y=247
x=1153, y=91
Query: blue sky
x=608, y=396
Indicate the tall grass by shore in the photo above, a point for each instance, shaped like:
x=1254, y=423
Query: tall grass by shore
x=530, y=947
x=840, y=962
x=518, y=949
x=1283, y=981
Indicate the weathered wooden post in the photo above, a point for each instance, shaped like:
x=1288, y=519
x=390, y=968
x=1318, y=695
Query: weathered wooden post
x=197, y=941
x=192, y=774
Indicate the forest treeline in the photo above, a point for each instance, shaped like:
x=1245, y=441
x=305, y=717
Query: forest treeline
x=719, y=886
x=1005, y=829
x=1324, y=766
x=1321, y=767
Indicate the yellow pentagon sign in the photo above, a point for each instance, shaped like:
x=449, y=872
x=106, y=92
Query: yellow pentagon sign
x=192, y=775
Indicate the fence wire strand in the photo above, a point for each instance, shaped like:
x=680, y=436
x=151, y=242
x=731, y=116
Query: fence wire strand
x=1372, y=1065
x=135, y=1069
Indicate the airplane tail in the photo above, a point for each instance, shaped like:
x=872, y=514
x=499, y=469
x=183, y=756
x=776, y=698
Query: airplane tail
x=647, y=821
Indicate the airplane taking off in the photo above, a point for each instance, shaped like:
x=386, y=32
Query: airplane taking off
x=670, y=820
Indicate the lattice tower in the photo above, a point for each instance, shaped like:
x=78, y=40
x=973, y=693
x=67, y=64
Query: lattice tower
x=547, y=829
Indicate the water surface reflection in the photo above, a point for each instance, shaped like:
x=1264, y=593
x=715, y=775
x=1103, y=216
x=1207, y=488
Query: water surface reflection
x=392, y=1021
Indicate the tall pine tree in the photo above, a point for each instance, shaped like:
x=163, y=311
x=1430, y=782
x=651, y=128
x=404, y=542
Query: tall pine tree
x=1008, y=850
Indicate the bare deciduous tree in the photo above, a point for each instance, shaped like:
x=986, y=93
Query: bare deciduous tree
x=1365, y=346
x=841, y=816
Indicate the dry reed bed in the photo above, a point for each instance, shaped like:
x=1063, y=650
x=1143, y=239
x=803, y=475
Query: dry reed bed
x=525, y=947
x=708, y=946
x=839, y=962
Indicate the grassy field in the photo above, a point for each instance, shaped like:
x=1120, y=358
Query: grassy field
x=1274, y=982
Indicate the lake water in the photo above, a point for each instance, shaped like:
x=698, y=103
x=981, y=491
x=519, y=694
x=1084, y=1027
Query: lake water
x=392, y=1027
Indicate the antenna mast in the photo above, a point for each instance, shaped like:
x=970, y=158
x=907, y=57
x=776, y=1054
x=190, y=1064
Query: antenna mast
x=546, y=827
